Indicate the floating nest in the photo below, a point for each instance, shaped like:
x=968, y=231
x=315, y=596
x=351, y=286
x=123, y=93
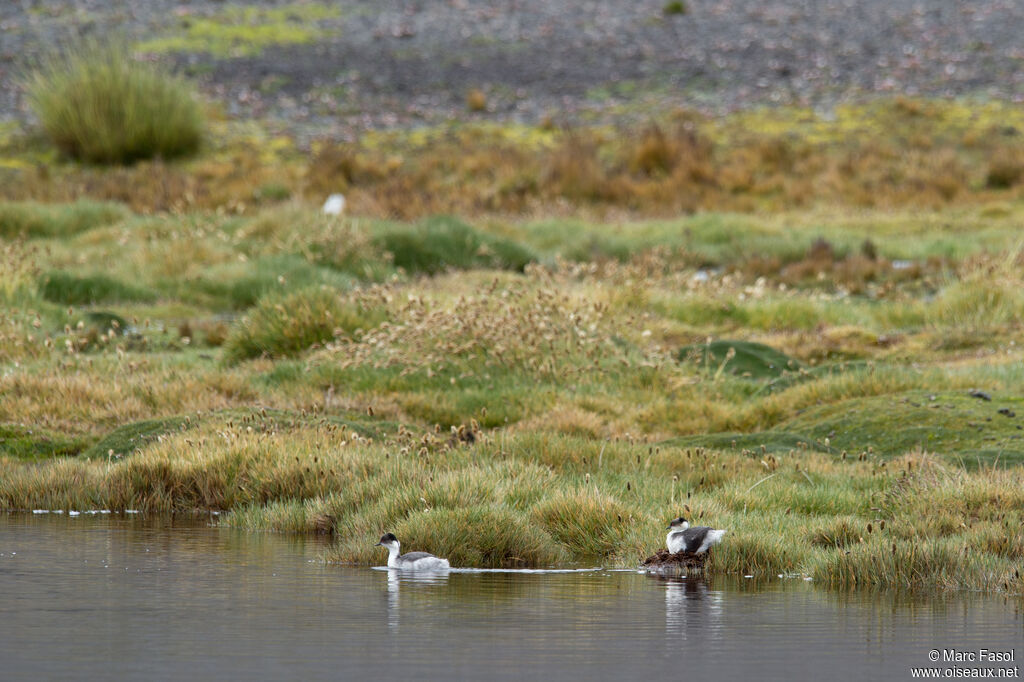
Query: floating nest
x=664, y=561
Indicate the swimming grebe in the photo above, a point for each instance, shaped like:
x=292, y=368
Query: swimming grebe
x=682, y=538
x=419, y=561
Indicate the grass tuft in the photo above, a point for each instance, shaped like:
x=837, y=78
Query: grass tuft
x=31, y=220
x=98, y=104
x=470, y=536
x=285, y=326
x=586, y=521
x=440, y=243
x=63, y=287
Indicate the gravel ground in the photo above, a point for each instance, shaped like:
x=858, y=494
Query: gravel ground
x=392, y=63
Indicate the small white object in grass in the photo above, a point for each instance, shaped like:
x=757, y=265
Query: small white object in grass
x=748, y=576
x=73, y=513
x=335, y=205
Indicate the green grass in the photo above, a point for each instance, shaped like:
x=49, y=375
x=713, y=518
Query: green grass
x=284, y=326
x=31, y=220
x=63, y=287
x=242, y=31
x=952, y=424
x=441, y=243
x=130, y=438
x=739, y=358
x=34, y=444
x=98, y=104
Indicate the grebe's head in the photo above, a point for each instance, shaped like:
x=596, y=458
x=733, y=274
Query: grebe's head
x=389, y=542
x=678, y=523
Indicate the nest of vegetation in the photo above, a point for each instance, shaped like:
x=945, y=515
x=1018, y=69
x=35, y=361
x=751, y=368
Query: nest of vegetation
x=664, y=560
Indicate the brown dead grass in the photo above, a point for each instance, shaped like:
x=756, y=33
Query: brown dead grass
x=907, y=154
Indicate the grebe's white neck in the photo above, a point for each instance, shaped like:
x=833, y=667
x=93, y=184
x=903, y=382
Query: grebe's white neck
x=392, y=548
x=676, y=528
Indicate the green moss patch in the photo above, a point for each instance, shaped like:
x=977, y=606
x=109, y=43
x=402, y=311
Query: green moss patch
x=739, y=358
x=773, y=442
x=243, y=31
x=25, y=443
x=952, y=424
x=127, y=438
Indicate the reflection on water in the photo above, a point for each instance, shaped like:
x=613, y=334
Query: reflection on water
x=693, y=611
x=395, y=580
x=132, y=598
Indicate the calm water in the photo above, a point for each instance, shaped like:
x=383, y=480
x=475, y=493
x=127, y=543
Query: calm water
x=129, y=598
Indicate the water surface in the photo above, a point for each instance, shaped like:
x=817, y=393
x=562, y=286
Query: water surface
x=128, y=598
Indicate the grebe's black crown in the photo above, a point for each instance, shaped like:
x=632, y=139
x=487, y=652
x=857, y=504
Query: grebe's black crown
x=677, y=521
x=388, y=537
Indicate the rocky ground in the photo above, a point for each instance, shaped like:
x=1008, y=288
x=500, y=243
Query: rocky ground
x=381, y=64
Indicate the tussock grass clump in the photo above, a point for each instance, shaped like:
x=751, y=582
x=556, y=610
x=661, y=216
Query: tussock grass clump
x=441, y=243
x=469, y=536
x=63, y=287
x=988, y=293
x=284, y=326
x=29, y=219
x=588, y=522
x=1005, y=170
x=483, y=536
x=98, y=104
x=758, y=546
x=341, y=244
x=947, y=563
x=19, y=273
x=838, y=533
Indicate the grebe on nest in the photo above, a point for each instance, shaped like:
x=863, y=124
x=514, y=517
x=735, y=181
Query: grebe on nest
x=682, y=538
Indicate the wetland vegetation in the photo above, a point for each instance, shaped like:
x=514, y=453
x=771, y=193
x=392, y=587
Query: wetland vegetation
x=533, y=345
